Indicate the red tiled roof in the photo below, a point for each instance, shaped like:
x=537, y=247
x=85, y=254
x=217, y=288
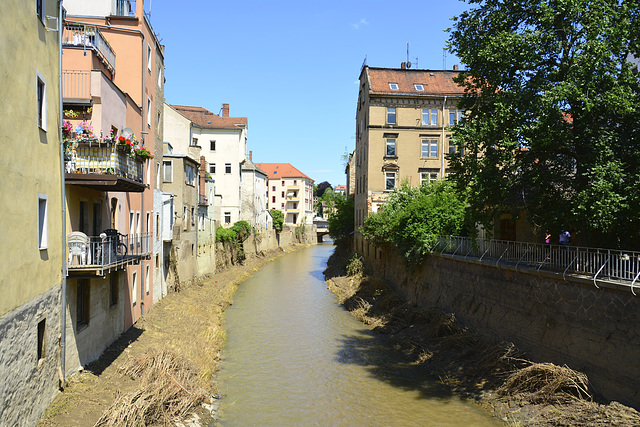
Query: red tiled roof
x=205, y=119
x=340, y=187
x=435, y=82
x=281, y=170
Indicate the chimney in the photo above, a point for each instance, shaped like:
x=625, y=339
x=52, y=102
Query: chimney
x=403, y=66
x=455, y=67
x=251, y=155
x=225, y=110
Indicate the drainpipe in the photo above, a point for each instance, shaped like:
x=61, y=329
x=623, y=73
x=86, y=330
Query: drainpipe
x=63, y=311
x=442, y=161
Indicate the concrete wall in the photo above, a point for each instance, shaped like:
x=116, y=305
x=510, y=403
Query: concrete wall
x=595, y=331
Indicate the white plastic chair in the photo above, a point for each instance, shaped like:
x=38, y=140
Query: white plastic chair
x=78, y=244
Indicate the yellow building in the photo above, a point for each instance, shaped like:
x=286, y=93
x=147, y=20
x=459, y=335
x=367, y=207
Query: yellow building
x=31, y=256
x=402, y=131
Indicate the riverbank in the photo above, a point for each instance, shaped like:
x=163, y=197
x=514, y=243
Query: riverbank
x=187, y=324
x=498, y=377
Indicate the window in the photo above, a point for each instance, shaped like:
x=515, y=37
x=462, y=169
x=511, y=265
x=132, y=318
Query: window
x=227, y=168
x=134, y=287
x=295, y=182
x=428, y=176
x=391, y=147
x=43, y=221
x=273, y=188
x=429, y=148
x=390, y=180
x=418, y=87
x=148, y=112
x=41, y=94
x=393, y=86
x=146, y=280
x=282, y=206
x=113, y=288
x=167, y=171
x=82, y=301
x=391, y=116
x=83, y=217
x=273, y=199
x=453, y=149
x=40, y=9
x=149, y=58
x=41, y=340
x=455, y=116
x=190, y=175
x=430, y=117
x=132, y=223
x=96, y=216
x=212, y=145
x=212, y=168
x=282, y=194
x=227, y=217
x=194, y=142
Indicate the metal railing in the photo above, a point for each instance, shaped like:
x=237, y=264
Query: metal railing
x=107, y=251
x=594, y=263
x=88, y=36
x=104, y=158
x=76, y=84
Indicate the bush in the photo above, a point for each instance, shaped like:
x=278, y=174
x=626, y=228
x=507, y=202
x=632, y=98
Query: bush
x=341, y=219
x=242, y=230
x=355, y=267
x=225, y=234
x=278, y=219
x=413, y=218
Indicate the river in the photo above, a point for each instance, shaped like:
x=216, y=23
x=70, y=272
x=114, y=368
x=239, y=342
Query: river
x=295, y=357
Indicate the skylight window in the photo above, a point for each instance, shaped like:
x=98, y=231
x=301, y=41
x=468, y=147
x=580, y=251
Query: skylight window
x=418, y=87
x=393, y=86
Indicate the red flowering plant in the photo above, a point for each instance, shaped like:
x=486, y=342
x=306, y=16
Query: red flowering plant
x=142, y=153
x=126, y=144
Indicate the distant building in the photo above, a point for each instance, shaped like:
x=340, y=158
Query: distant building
x=350, y=171
x=402, y=131
x=340, y=189
x=289, y=191
x=253, y=192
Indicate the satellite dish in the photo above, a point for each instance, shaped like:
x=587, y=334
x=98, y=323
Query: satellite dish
x=127, y=132
x=408, y=64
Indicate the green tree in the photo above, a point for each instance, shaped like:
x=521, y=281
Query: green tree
x=322, y=187
x=341, y=219
x=412, y=219
x=552, y=108
x=278, y=219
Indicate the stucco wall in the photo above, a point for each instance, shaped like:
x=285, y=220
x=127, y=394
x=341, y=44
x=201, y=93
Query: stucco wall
x=596, y=331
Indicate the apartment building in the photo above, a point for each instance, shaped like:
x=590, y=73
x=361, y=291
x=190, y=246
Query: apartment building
x=31, y=278
x=402, y=131
x=223, y=140
x=290, y=191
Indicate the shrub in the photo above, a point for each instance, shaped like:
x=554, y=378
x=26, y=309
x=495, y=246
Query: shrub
x=278, y=219
x=341, y=219
x=225, y=234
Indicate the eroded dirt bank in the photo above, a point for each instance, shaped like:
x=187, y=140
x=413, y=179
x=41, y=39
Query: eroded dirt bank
x=499, y=377
x=187, y=326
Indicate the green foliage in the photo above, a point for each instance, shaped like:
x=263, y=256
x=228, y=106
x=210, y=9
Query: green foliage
x=355, y=266
x=341, y=219
x=278, y=219
x=242, y=230
x=299, y=231
x=552, y=109
x=322, y=187
x=225, y=234
x=413, y=218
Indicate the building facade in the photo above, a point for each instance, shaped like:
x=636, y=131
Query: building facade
x=402, y=131
x=289, y=191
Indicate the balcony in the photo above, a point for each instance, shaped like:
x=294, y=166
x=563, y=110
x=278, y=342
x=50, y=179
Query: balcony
x=89, y=37
x=76, y=87
x=93, y=256
x=126, y=8
x=202, y=200
x=102, y=166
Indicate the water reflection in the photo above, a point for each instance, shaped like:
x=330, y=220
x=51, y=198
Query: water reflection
x=295, y=357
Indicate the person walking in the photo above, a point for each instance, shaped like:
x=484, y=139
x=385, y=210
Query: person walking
x=565, y=239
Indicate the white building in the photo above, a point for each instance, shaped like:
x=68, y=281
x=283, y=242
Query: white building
x=223, y=140
x=290, y=191
x=254, y=196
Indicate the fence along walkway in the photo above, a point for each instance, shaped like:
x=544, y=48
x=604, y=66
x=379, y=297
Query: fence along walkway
x=605, y=265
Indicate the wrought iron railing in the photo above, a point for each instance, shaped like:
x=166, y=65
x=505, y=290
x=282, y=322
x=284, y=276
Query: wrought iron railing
x=88, y=36
x=107, y=250
x=594, y=263
x=104, y=158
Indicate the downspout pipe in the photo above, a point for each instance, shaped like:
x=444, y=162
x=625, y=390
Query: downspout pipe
x=443, y=116
x=63, y=195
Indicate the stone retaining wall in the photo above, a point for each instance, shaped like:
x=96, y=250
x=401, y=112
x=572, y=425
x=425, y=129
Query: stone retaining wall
x=592, y=330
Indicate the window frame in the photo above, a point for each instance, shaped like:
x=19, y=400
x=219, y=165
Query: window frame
x=430, y=144
x=167, y=165
x=419, y=87
x=393, y=86
x=43, y=221
x=227, y=168
x=41, y=10
x=83, y=303
x=429, y=174
x=212, y=168
x=392, y=113
x=41, y=101
x=227, y=217
x=389, y=144
x=212, y=145
x=387, y=176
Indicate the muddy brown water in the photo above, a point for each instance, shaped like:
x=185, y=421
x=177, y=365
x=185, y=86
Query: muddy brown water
x=295, y=357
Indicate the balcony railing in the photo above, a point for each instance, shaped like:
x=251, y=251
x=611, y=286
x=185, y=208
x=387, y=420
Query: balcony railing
x=610, y=265
x=89, y=37
x=106, y=251
x=203, y=200
x=76, y=86
x=106, y=164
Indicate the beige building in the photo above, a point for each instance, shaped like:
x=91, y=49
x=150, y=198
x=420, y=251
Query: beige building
x=402, y=131
x=31, y=277
x=290, y=191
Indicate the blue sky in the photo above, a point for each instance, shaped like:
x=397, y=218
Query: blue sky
x=292, y=67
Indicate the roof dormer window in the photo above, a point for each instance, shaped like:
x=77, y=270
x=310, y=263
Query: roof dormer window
x=419, y=87
x=393, y=86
